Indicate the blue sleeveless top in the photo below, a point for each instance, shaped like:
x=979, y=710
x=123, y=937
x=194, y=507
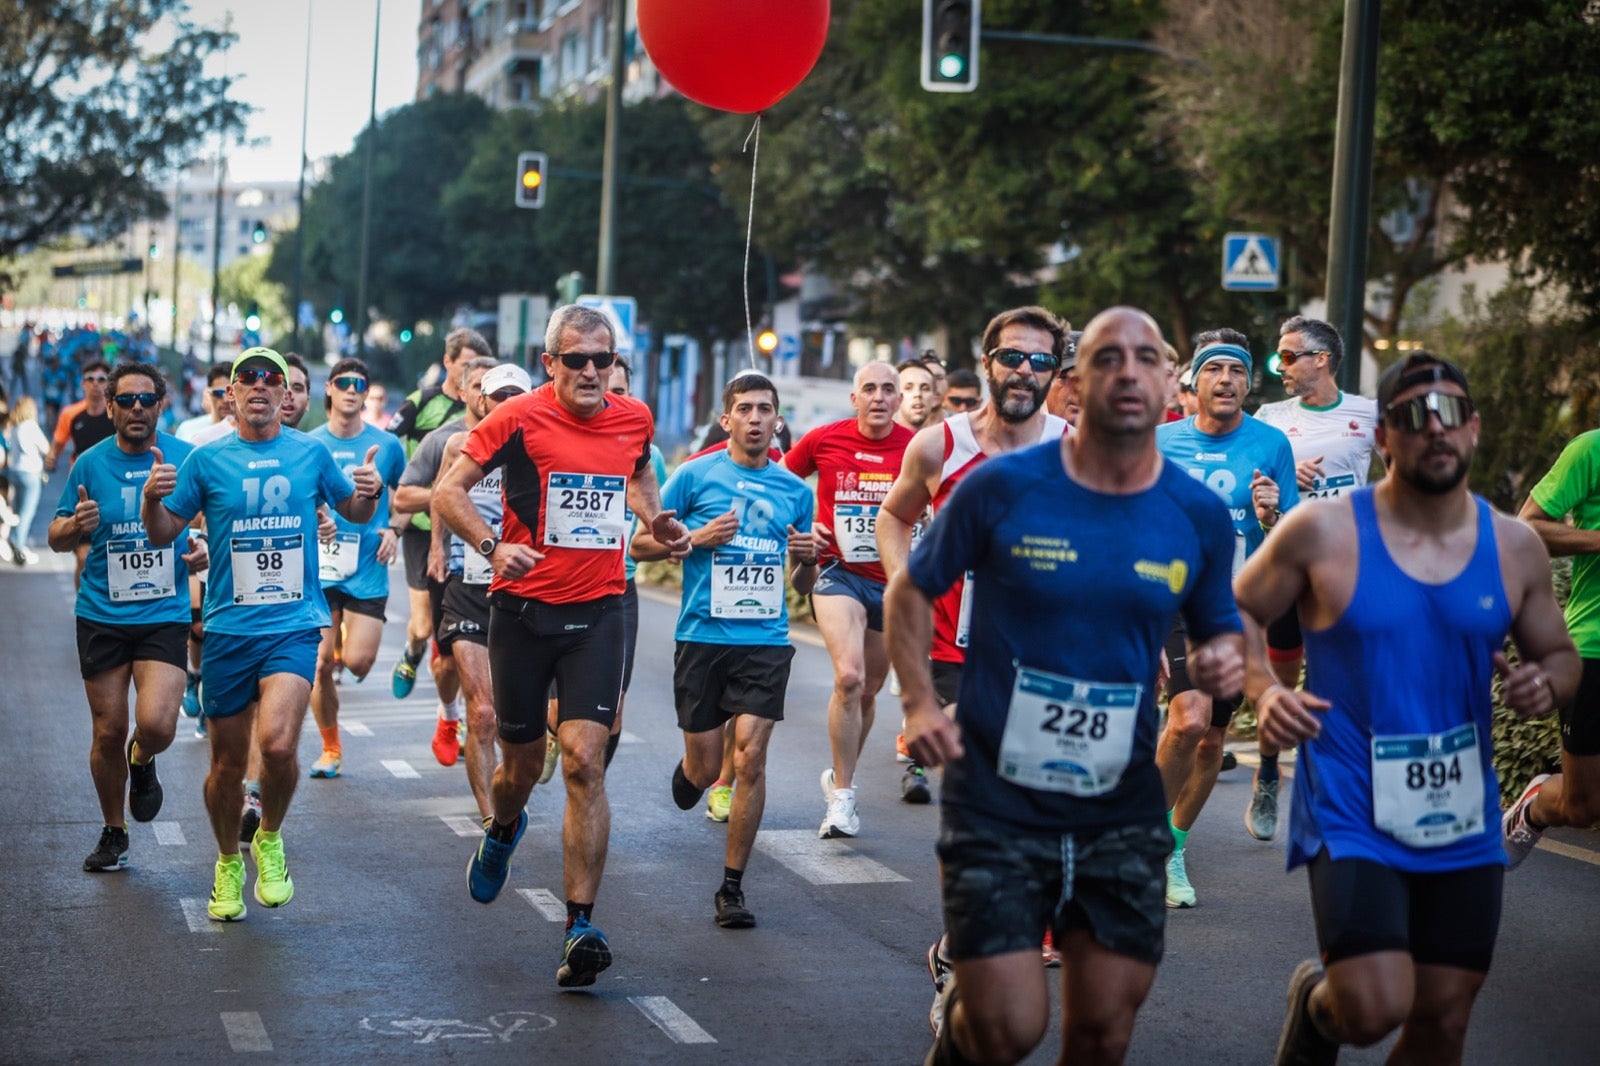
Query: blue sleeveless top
x=1405, y=658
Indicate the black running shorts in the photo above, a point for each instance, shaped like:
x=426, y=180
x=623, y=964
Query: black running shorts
x=1580, y=720
x=531, y=643
x=712, y=683
x=103, y=647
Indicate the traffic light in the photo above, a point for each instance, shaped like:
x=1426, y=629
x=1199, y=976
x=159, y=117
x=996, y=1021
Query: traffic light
x=767, y=341
x=950, y=30
x=530, y=179
x=259, y=234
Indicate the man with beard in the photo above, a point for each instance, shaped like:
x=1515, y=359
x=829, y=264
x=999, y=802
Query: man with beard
x=918, y=395
x=132, y=609
x=1249, y=465
x=298, y=399
x=1407, y=590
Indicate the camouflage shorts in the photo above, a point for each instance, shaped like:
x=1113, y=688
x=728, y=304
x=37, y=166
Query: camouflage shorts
x=1003, y=886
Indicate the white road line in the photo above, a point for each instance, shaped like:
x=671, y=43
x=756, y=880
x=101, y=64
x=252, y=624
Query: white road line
x=822, y=862
x=400, y=768
x=545, y=902
x=245, y=1031
x=169, y=834
x=626, y=737
x=355, y=728
x=670, y=1019
x=464, y=825
x=194, y=912
x=1567, y=850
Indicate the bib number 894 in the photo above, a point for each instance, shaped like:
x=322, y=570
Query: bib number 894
x=1435, y=774
x=1077, y=719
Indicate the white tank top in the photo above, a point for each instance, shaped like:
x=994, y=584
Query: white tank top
x=1342, y=434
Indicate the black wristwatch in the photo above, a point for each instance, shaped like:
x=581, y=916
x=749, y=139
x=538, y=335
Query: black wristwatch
x=487, y=545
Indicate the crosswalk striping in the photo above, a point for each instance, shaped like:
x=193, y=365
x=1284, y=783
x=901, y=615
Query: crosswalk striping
x=822, y=862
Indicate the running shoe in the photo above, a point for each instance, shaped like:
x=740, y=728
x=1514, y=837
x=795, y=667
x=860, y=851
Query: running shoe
x=274, y=886
x=191, y=695
x=405, y=676
x=914, y=785
x=491, y=863
x=944, y=976
x=329, y=763
x=901, y=752
x=1180, y=894
x=24, y=556
x=1261, y=819
x=1052, y=957
x=446, y=742
x=200, y=727
x=552, y=754
x=227, y=891
x=1299, y=1042
x=584, y=955
x=144, y=788
x=111, y=853
x=250, y=821
x=731, y=911
x=1516, y=834
x=841, y=819
x=719, y=801
x=1230, y=761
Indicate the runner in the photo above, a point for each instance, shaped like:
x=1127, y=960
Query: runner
x=1396, y=801
x=259, y=491
x=1248, y=464
x=963, y=392
x=1331, y=433
x=856, y=461
x=82, y=425
x=132, y=609
x=575, y=459
x=918, y=395
x=941, y=385
x=1052, y=805
x=731, y=666
x=219, y=423
x=1062, y=399
x=297, y=401
x=212, y=409
x=353, y=564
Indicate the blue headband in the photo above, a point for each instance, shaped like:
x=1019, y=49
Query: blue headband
x=1223, y=351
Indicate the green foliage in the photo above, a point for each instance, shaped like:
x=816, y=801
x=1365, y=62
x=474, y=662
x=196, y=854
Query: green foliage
x=1527, y=747
x=244, y=283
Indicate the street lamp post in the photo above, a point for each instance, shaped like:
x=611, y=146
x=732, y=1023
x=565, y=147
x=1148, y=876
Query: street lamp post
x=366, y=194
x=300, y=193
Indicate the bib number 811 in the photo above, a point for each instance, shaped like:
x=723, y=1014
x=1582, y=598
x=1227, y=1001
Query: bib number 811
x=1435, y=774
x=1077, y=719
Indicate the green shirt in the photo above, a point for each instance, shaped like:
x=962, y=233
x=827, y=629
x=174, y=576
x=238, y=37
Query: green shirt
x=1573, y=487
x=424, y=411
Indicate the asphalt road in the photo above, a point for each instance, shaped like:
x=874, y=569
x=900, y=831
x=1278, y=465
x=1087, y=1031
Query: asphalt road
x=382, y=953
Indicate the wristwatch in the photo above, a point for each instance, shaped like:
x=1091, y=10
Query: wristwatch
x=487, y=545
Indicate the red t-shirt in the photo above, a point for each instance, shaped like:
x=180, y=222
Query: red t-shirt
x=565, y=487
x=854, y=473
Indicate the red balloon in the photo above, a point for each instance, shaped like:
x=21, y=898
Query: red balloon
x=735, y=55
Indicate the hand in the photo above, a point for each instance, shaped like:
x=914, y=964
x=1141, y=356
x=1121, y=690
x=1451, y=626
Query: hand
x=198, y=557
x=672, y=533
x=438, y=560
x=824, y=535
x=1306, y=471
x=163, y=479
x=803, y=547
x=86, y=515
x=512, y=561
x=368, y=482
x=327, y=528
x=932, y=738
x=388, y=547
x=1284, y=717
x=1264, y=495
x=1217, y=668
x=715, y=533
x=1524, y=687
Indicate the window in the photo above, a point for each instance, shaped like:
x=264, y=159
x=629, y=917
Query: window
x=597, y=39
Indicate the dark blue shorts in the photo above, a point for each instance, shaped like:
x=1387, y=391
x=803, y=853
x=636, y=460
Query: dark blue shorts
x=835, y=580
x=230, y=676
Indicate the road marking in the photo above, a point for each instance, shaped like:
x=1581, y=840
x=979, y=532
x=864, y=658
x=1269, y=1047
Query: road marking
x=625, y=737
x=822, y=862
x=194, y=912
x=245, y=1031
x=400, y=768
x=355, y=728
x=1567, y=850
x=670, y=1019
x=545, y=902
x=464, y=825
x=169, y=834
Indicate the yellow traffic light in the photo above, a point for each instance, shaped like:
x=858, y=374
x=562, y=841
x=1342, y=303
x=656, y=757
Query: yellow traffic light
x=767, y=341
x=530, y=179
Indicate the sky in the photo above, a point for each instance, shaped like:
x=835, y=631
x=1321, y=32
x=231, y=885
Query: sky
x=269, y=60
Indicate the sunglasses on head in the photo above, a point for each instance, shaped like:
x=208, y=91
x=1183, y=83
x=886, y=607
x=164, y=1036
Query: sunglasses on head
x=1287, y=356
x=350, y=383
x=252, y=375
x=963, y=401
x=1412, y=415
x=126, y=400
x=578, y=360
x=1011, y=358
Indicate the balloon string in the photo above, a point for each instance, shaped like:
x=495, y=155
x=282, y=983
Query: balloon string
x=749, y=233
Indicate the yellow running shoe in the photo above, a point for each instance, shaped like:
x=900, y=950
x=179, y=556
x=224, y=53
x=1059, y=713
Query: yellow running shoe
x=274, y=886
x=719, y=801
x=227, y=892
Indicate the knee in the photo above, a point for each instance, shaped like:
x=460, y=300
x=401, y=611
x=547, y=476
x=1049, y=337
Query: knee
x=584, y=766
x=155, y=739
x=1209, y=751
x=849, y=681
x=749, y=769
x=1368, y=1014
x=1188, y=721
x=278, y=752
x=360, y=664
x=1098, y=1040
x=1443, y=1027
x=1000, y=1040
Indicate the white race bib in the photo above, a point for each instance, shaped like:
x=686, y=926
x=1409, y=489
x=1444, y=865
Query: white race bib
x=746, y=584
x=475, y=568
x=585, y=511
x=855, y=525
x=136, y=571
x=1238, y=553
x=1427, y=789
x=269, y=569
x=1325, y=488
x=1065, y=735
x=337, y=558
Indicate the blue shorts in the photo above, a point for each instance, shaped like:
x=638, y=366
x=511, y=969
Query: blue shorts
x=835, y=580
x=230, y=675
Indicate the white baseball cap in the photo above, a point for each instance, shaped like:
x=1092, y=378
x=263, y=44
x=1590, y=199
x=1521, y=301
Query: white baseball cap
x=506, y=376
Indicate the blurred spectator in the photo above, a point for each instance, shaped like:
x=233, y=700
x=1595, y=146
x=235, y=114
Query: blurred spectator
x=26, y=448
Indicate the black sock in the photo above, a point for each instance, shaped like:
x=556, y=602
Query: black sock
x=578, y=910
x=732, y=879
x=1269, y=768
x=684, y=792
x=414, y=657
x=505, y=834
x=611, y=748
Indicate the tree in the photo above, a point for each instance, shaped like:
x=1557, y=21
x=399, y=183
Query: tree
x=93, y=118
x=244, y=283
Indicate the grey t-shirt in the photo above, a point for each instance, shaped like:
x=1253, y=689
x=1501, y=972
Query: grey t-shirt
x=423, y=469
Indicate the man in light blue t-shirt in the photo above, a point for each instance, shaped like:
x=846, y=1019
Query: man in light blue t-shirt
x=745, y=513
x=259, y=491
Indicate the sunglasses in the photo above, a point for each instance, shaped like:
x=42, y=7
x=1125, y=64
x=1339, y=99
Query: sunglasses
x=963, y=401
x=578, y=360
x=502, y=395
x=219, y=393
x=350, y=383
x=252, y=375
x=1412, y=416
x=1010, y=358
x=126, y=400
x=98, y=379
x=1287, y=356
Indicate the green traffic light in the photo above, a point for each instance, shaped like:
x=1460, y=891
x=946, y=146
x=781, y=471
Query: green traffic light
x=951, y=66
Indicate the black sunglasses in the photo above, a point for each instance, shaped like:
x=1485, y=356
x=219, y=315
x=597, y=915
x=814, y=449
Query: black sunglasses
x=963, y=401
x=126, y=400
x=350, y=383
x=502, y=395
x=1011, y=358
x=1287, y=356
x=578, y=360
x=219, y=393
x=1412, y=415
x=251, y=375
x=99, y=379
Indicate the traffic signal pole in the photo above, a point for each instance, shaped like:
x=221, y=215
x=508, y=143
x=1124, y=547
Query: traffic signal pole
x=1352, y=185
x=605, y=275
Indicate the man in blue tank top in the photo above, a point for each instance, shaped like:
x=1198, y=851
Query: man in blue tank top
x=1406, y=592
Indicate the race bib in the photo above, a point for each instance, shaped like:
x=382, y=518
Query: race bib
x=964, y=613
x=136, y=571
x=1427, y=789
x=856, y=527
x=1325, y=488
x=1238, y=553
x=475, y=568
x=268, y=569
x=1065, y=735
x=746, y=584
x=586, y=511
x=337, y=558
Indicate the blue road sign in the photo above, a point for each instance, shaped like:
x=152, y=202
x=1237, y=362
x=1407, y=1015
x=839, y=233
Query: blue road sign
x=1250, y=262
x=623, y=312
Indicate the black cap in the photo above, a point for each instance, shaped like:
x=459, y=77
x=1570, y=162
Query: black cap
x=1418, y=368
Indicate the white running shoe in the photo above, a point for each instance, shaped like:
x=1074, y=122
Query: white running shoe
x=1518, y=836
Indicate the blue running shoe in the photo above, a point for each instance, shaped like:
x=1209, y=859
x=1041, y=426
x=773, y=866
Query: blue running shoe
x=491, y=863
x=405, y=675
x=586, y=953
x=191, y=696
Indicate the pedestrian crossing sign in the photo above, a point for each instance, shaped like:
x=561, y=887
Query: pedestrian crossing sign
x=1249, y=262
x=623, y=312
